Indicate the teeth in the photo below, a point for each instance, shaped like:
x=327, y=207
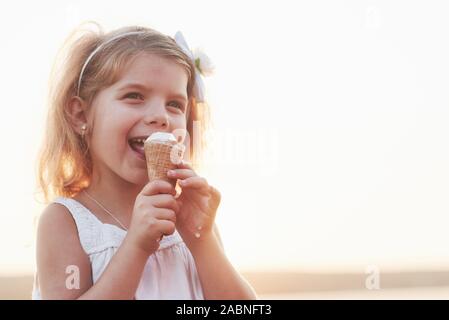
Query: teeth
x=138, y=140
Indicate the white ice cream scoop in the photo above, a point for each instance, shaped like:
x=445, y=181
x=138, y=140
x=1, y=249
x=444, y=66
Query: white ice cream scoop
x=161, y=136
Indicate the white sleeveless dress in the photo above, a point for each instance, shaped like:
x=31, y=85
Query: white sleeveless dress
x=169, y=274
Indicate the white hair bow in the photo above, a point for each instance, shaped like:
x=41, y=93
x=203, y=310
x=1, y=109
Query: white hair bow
x=202, y=63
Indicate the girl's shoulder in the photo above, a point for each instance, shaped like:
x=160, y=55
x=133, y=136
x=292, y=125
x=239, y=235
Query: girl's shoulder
x=56, y=221
x=60, y=210
x=55, y=213
x=65, y=214
x=58, y=229
x=70, y=217
x=57, y=248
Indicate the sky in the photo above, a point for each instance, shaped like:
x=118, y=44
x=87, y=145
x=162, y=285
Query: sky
x=330, y=144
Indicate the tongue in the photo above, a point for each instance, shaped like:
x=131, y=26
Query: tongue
x=138, y=148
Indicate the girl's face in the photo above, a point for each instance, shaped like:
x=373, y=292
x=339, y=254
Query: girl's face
x=150, y=96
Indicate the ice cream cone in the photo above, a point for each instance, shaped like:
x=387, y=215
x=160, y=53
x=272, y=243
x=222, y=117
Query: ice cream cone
x=162, y=153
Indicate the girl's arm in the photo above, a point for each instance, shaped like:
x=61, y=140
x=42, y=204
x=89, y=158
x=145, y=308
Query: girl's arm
x=64, y=270
x=219, y=279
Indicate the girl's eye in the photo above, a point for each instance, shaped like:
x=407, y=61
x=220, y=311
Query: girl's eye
x=177, y=105
x=134, y=95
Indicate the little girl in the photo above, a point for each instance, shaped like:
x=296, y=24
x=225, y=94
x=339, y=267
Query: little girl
x=108, y=232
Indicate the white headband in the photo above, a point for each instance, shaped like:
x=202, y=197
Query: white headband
x=201, y=61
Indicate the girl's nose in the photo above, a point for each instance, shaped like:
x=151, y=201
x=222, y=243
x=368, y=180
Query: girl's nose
x=156, y=115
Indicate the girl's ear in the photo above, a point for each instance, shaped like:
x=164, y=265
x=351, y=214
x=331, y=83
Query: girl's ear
x=76, y=110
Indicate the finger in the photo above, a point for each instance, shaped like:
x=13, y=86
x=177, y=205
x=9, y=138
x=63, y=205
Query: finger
x=158, y=187
x=181, y=173
x=198, y=183
x=215, y=196
x=166, y=227
x=165, y=201
x=165, y=214
x=185, y=165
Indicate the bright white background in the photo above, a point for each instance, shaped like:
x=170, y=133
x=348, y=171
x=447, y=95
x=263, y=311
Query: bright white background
x=346, y=103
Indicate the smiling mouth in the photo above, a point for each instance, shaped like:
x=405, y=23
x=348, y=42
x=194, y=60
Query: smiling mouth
x=136, y=145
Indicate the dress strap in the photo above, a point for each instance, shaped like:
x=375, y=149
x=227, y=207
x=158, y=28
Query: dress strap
x=94, y=237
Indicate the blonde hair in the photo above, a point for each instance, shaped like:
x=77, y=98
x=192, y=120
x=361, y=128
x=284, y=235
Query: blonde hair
x=65, y=164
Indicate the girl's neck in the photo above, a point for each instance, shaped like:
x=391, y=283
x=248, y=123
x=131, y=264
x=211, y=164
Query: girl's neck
x=115, y=194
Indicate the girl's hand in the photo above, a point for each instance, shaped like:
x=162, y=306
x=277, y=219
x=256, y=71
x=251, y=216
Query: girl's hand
x=154, y=215
x=198, y=203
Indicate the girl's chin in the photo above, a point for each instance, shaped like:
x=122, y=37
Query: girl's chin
x=138, y=177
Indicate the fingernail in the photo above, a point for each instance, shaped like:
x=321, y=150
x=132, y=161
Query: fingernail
x=171, y=173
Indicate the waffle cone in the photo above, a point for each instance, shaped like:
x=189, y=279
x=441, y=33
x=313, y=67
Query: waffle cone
x=162, y=156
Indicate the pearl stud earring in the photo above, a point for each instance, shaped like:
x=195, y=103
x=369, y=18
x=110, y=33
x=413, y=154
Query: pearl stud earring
x=83, y=130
